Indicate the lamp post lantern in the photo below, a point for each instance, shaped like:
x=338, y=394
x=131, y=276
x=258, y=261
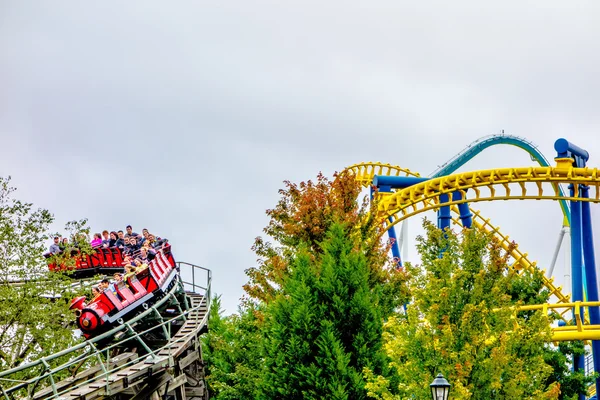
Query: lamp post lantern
x=440, y=388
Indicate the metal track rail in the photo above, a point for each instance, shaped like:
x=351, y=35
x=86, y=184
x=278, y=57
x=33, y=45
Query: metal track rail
x=103, y=375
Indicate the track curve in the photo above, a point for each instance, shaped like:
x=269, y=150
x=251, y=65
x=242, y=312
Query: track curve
x=484, y=185
x=364, y=173
x=485, y=142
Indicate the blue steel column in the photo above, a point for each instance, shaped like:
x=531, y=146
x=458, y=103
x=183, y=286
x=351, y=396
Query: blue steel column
x=391, y=231
x=576, y=265
x=466, y=216
x=395, y=247
x=590, y=274
x=444, y=217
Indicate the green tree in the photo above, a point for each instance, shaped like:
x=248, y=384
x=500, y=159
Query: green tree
x=298, y=227
x=233, y=353
x=461, y=322
x=33, y=323
x=325, y=325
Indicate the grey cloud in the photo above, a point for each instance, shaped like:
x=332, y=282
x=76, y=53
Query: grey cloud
x=187, y=117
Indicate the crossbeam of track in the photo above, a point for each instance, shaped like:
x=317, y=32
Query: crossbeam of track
x=579, y=330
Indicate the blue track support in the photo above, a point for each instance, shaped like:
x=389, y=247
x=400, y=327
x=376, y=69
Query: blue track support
x=391, y=231
x=576, y=265
x=590, y=274
x=466, y=217
x=564, y=148
x=444, y=217
x=396, y=182
x=395, y=247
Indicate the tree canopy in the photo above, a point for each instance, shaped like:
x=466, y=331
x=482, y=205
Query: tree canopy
x=33, y=323
x=326, y=314
x=461, y=322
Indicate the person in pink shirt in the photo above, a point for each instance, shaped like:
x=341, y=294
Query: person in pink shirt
x=97, y=242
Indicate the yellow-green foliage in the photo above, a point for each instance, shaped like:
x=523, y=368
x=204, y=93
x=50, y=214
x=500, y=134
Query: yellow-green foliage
x=459, y=322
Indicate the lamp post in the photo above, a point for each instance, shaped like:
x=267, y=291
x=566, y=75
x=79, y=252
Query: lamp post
x=440, y=388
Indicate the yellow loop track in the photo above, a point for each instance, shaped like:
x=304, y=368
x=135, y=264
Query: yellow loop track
x=535, y=183
x=488, y=185
x=365, y=172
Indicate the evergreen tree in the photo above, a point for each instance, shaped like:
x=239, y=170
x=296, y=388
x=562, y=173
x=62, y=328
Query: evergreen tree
x=325, y=326
x=300, y=226
x=232, y=351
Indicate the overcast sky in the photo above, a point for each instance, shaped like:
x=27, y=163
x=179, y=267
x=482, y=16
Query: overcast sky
x=186, y=117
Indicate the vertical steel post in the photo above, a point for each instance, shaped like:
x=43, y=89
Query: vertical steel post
x=52, y=383
x=395, y=246
x=590, y=274
x=561, y=235
x=391, y=231
x=444, y=217
x=576, y=265
x=466, y=217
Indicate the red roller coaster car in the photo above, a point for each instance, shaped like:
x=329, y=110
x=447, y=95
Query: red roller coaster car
x=144, y=287
x=102, y=260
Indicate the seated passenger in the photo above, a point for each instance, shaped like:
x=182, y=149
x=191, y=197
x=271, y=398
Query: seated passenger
x=129, y=263
x=104, y=284
x=144, y=237
x=105, y=238
x=130, y=232
x=118, y=277
x=156, y=243
x=143, y=257
x=129, y=271
x=150, y=241
x=112, y=242
x=97, y=242
x=95, y=292
x=133, y=243
x=55, y=247
x=127, y=249
x=141, y=268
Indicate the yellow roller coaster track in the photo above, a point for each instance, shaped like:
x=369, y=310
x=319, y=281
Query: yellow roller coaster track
x=488, y=185
x=365, y=172
x=580, y=331
x=483, y=186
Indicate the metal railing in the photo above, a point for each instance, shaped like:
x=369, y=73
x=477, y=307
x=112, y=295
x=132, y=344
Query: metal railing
x=192, y=285
x=87, y=353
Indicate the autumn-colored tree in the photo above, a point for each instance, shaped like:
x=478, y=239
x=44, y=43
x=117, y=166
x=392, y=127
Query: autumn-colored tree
x=461, y=322
x=302, y=218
